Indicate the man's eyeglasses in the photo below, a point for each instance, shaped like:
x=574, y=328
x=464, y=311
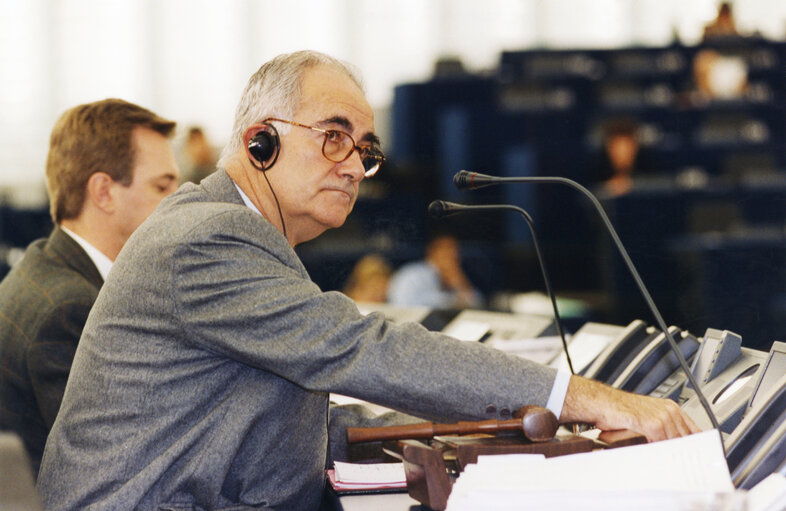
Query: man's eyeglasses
x=338, y=146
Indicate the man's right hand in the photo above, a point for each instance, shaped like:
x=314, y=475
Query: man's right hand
x=611, y=409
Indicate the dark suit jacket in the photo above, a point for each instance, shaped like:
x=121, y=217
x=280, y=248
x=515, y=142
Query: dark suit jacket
x=44, y=303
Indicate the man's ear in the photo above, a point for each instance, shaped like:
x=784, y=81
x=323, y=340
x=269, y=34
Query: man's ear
x=99, y=192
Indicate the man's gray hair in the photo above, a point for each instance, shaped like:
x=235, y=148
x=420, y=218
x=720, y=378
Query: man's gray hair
x=274, y=91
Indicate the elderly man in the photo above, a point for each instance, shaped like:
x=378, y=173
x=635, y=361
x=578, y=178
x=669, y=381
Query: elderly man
x=109, y=165
x=202, y=377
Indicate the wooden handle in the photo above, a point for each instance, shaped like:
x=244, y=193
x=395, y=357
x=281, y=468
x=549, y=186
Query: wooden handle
x=407, y=431
x=536, y=423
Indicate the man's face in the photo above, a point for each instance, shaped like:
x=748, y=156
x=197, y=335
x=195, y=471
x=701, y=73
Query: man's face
x=315, y=193
x=443, y=253
x=622, y=151
x=154, y=176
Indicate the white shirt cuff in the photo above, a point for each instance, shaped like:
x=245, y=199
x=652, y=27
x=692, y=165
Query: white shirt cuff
x=558, y=392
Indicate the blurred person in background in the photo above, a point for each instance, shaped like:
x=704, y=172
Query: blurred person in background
x=717, y=76
x=369, y=279
x=437, y=281
x=723, y=25
x=199, y=158
x=620, y=158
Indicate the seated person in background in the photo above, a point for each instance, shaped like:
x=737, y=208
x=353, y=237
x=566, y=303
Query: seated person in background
x=723, y=25
x=109, y=165
x=436, y=281
x=620, y=158
x=717, y=77
x=369, y=279
x=198, y=156
x=203, y=374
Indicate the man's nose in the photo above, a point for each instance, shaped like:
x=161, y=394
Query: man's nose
x=353, y=167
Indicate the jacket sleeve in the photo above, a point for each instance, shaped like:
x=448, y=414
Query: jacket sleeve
x=250, y=299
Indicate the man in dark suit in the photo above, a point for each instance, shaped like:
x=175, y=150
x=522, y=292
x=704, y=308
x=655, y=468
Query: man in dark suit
x=109, y=165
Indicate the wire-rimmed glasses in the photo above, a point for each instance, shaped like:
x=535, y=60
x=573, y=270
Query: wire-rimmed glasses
x=338, y=146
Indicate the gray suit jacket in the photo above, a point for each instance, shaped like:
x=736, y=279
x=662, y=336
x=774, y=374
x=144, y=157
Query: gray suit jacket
x=201, y=380
x=44, y=303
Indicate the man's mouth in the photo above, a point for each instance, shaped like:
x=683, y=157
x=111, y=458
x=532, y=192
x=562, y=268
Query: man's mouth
x=349, y=193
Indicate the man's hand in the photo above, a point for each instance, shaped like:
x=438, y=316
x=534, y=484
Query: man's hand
x=609, y=409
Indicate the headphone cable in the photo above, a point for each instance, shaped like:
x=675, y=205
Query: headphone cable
x=278, y=206
x=275, y=198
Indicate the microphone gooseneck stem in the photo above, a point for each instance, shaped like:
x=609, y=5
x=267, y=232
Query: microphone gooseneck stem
x=470, y=180
x=546, y=279
x=442, y=208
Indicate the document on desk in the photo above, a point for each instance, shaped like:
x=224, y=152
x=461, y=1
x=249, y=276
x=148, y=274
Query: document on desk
x=583, y=352
x=375, y=477
x=540, y=349
x=768, y=495
x=372, y=473
x=466, y=330
x=686, y=473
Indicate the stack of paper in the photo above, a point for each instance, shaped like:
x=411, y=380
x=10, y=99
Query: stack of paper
x=353, y=477
x=687, y=473
x=768, y=495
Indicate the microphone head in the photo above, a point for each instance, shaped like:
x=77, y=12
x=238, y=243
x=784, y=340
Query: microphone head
x=437, y=209
x=462, y=180
x=466, y=180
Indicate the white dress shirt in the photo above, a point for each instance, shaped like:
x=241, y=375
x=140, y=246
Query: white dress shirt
x=103, y=263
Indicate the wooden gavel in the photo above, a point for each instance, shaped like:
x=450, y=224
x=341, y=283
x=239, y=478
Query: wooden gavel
x=538, y=424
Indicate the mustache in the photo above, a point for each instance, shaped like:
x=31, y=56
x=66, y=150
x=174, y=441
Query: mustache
x=349, y=189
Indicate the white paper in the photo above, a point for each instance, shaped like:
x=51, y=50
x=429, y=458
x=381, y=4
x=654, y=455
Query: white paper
x=768, y=495
x=540, y=349
x=594, y=500
x=673, y=474
x=373, y=473
x=583, y=349
x=501, y=461
x=467, y=330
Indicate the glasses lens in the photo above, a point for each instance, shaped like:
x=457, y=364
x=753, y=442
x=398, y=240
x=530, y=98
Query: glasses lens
x=338, y=145
x=371, y=162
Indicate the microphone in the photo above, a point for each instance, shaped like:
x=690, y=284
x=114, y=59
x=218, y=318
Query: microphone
x=465, y=180
x=441, y=209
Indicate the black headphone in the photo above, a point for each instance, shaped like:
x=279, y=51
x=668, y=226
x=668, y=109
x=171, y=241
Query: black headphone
x=264, y=147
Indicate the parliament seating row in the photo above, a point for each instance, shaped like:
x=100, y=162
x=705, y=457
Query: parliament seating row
x=563, y=97
x=720, y=167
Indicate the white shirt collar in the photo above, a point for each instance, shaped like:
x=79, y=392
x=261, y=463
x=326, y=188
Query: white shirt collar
x=103, y=263
x=246, y=200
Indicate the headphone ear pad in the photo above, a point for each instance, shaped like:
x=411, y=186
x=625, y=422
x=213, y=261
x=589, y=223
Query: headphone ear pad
x=263, y=147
